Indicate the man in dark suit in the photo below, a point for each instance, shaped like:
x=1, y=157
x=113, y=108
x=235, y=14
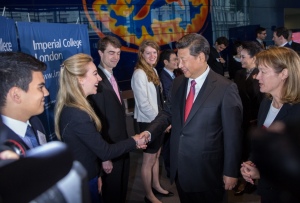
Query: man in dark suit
x=169, y=59
x=216, y=61
x=205, y=112
x=22, y=98
x=280, y=37
x=261, y=34
x=110, y=109
x=295, y=46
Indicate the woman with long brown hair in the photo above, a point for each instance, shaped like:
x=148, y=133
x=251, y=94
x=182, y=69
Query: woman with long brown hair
x=145, y=84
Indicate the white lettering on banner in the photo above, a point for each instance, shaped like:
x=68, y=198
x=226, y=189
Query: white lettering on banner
x=56, y=44
x=46, y=45
x=72, y=43
x=5, y=46
x=49, y=57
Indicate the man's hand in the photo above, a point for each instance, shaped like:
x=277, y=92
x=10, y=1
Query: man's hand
x=7, y=154
x=107, y=166
x=141, y=141
x=229, y=182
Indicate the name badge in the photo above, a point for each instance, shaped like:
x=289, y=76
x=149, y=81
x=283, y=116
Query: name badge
x=41, y=137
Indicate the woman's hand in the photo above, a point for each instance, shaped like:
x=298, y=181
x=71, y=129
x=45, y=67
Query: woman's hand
x=249, y=172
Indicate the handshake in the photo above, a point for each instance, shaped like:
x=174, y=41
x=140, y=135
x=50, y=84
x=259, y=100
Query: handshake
x=142, y=140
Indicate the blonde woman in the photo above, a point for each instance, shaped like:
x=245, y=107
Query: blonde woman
x=77, y=125
x=148, y=102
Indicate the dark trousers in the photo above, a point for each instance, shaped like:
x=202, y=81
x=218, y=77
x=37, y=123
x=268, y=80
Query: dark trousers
x=115, y=184
x=212, y=196
x=93, y=186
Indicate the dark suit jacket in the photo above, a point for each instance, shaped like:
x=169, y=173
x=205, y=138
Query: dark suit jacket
x=250, y=95
x=295, y=46
x=36, y=125
x=265, y=45
x=216, y=66
x=287, y=114
x=208, y=145
x=166, y=81
x=110, y=111
x=78, y=131
x=113, y=119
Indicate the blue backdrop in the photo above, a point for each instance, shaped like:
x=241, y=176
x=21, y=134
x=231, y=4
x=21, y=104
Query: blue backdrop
x=52, y=43
x=8, y=36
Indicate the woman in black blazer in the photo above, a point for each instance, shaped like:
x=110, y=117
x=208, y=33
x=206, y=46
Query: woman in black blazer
x=77, y=125
x=249, y=90
x=279, y=78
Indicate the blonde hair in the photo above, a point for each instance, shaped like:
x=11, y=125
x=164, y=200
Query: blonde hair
x=279, y=58
x=70, y=91
x=142, y=64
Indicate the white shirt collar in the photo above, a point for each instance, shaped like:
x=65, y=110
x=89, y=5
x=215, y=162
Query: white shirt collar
x=283, y=44
x=169, y=72
x=106, y=72
x=19, y=127
x=199, y=82
x=259, y=40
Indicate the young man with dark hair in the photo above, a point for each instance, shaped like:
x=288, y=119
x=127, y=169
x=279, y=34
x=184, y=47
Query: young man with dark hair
x=261, y=34
x=110, y=109
x=216, y=60
x=280, y=37
x=22, y=98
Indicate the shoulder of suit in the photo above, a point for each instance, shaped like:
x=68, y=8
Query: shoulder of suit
x=73, y=113
x=215, y=77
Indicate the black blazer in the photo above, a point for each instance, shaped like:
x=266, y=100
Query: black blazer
x=166, y=81
x=295, y=46
x=78, y=131
x=208, y=145
x=213, y=63
x=36, y=126
x=250, y=95
x=287, y=114
x=110, y=111
x=265, y=45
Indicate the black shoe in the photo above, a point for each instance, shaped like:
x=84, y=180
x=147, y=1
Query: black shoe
x=161, y=194
x=239, y=192
x=147, y=200
x=249, y=188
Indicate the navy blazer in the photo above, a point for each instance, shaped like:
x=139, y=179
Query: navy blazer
x=208, y=145
x=289, y=113
x=166, y=81
x=78, y=131
x=36, y=125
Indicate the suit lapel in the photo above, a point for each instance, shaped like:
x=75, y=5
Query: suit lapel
x=283, y=112
x=105, y=82
x=206, y=89
x=168, y=75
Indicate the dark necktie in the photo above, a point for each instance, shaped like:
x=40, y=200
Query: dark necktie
x=190, y=100
x=30, y=134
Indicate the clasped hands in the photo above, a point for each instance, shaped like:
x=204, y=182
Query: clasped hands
x=142, y=140
x=249, y=171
